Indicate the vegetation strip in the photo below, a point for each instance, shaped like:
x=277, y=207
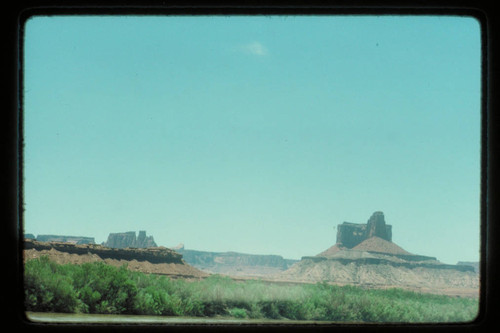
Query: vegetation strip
x=97, y=288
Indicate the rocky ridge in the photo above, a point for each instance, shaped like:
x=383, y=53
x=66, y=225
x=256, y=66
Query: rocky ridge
x=153, y=255
x=158, y=260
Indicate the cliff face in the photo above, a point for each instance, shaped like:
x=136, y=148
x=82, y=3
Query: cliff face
x=123, y=240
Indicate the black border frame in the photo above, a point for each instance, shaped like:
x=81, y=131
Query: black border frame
x=484, y=12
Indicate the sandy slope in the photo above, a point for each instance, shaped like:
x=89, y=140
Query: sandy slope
x=378, y=244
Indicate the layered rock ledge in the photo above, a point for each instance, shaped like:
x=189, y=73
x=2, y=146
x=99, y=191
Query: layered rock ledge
x=368, y=258
x=155, y=255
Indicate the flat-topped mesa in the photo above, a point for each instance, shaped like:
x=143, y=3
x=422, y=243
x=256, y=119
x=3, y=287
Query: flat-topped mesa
x=352, y=234
x=64, y=239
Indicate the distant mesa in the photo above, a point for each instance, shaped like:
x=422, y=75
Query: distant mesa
x=473, y=264
x=123, y=240
x=234, y=263
x=79, y=240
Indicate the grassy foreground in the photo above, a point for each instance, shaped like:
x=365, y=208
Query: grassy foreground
x=102, y=289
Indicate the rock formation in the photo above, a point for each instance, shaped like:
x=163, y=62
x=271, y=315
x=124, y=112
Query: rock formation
x=373, y=237
x=375, y=227
x=351, y=234
x=365, y=254
x=123, y=240
x=66, y=239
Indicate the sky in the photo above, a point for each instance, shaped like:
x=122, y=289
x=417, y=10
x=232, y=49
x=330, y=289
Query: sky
x=254, y=134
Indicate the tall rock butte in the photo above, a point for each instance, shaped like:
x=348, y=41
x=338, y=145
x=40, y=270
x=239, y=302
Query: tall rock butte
x=351, y=234
x=376, y=227
x=122, y=240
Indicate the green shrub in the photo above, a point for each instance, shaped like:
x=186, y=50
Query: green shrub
x=104, y=288
x=238, y=313
x=100, y=288
x=46, y=290
x=270, y=309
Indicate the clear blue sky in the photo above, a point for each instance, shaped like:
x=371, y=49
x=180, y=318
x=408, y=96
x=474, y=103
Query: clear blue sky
x=254, y=134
